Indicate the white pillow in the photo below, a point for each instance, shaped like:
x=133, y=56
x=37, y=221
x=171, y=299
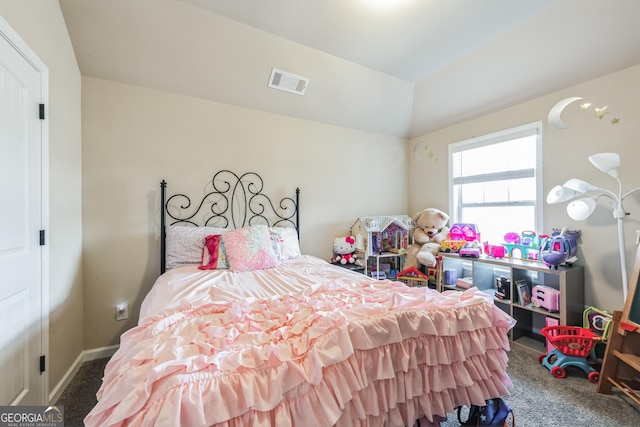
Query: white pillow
x=286, y=238
x=184, y=244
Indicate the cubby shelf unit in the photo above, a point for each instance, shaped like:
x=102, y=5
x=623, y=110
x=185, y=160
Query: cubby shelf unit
x=485, y=271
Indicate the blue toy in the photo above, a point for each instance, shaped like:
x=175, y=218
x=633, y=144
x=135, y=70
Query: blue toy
x=573, y=346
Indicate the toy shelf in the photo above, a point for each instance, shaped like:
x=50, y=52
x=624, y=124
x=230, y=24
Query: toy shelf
x=486, y=272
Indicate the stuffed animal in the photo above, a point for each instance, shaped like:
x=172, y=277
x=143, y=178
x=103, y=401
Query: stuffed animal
x=344, y=249
x=431, y=229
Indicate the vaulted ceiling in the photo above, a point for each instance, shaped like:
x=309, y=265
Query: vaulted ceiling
x=404, y=68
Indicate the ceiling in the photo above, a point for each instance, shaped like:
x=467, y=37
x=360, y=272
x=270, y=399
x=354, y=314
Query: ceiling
x=405, y=68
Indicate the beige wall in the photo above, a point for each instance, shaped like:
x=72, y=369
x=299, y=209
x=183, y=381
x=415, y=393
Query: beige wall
x=134, y=137
x=565, y=153
x=41, y=26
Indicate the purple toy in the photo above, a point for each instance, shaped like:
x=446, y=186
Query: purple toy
x=560, y=248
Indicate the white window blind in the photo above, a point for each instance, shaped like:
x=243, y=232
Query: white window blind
x=495, y=181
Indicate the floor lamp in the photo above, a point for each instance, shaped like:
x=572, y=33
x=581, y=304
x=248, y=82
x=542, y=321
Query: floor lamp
x=583, y=198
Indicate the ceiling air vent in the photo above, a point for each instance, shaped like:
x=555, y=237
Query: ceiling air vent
x=288, y=82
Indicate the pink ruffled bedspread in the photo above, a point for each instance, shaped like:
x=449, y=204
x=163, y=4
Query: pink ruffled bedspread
x=374, y=354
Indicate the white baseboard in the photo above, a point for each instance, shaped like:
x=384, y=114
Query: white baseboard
x=100, y=353
x=85, y=356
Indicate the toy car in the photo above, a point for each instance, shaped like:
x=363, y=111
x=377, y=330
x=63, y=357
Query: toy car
x=470, y=250
x=452, y=245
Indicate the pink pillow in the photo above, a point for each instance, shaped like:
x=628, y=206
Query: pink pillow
x=249, y=248
x=213, y=254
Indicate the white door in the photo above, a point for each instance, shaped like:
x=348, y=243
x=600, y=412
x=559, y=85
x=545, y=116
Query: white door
x=21, y=280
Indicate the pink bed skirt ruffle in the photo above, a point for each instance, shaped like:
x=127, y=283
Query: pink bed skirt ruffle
x=371, y=355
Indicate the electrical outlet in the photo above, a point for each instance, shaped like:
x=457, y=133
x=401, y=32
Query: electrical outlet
x=122, y=311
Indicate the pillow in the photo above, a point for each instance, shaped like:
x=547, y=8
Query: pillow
x=250, y=248
x=184, y=244
x=213, y=254
x=286, y=242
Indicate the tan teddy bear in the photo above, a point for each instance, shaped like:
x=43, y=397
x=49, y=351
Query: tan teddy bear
x=431, y=229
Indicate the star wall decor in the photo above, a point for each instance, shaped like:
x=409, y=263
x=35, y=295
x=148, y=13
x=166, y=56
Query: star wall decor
x=555, y=113
x=601, y=112
x=420, y=148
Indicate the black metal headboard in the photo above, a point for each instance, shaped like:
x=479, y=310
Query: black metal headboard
x=234, y=201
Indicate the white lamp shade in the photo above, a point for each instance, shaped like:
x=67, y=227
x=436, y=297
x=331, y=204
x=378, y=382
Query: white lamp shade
x=606, y=162
x=580, y=209
x=580, y=186
x=559, y=194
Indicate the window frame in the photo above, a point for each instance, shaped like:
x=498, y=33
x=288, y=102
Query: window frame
x=529, y=129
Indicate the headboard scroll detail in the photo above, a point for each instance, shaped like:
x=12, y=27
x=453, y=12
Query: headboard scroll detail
x=231, y=201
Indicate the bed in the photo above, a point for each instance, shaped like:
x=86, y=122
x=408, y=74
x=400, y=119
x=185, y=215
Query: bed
x=242, y=329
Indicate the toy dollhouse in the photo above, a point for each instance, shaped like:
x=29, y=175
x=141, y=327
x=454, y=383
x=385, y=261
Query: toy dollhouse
x=413, y=277
x=383, y=237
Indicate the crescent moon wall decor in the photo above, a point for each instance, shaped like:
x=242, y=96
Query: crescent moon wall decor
x=420, y=148
x=555, y=113
x=420, y=145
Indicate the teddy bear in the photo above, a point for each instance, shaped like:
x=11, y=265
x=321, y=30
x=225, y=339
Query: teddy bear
x=431, y=229
x=344, y=249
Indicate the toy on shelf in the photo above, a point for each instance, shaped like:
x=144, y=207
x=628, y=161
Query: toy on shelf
x=560, y=248
x=464, y=282
x=495, y=251
x=512, y=238
x=546, y=297
x=459, y=235
x=529, y=239
x=503, y=288
x=449, y=245
x=378, y=275
x=523, y=293
x=573, y=346
x=470, y=250
x=527, y=245
x=468, y=232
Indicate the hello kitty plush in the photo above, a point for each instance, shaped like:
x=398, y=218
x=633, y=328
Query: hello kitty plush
x=344, y=249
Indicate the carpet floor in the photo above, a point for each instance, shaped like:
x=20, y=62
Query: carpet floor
x=537, y=398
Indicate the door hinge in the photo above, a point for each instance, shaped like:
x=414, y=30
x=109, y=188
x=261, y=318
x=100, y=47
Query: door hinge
x=41, y=237
x=41, y=111
x=42, y=364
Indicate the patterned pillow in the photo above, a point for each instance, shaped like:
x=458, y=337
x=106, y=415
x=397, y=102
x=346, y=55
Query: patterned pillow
x=185, y=244
x=250, y=248
x=286, y=240
x=213, y=254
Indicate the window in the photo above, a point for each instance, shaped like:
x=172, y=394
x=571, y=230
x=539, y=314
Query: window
x=495, y=182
